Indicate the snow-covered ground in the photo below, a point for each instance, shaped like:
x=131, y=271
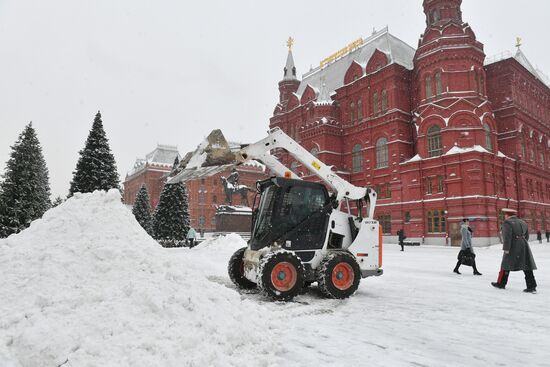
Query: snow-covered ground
x=86, y=286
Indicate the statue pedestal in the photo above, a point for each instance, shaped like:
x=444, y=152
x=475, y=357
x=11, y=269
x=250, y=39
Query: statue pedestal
x=233, y=218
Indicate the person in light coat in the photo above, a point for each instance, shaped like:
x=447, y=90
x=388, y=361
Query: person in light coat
x=466, y=255
x=517, y=253
x=191, y=236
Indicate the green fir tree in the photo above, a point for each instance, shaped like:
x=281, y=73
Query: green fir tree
x=142, y=209
x=57, y=201
x=25, y=189
x=96, y=167
x=171, y=218
x=175, y=167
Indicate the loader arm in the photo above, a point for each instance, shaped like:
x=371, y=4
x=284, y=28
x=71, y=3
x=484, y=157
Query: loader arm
x=276, y=138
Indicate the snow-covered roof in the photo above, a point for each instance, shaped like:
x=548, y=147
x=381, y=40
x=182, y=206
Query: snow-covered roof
x=520, y=57
x=416, y=158
x=457, y=150
x=333, y=74
x=163, y=156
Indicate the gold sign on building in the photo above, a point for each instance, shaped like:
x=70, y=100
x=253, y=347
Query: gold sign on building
x=338, y=54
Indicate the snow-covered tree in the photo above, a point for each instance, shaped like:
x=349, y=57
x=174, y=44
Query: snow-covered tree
x=171, y=218
x=25, y=189
x=175, y=167
x=57, y=201
x=96, y=167
x=142, y=209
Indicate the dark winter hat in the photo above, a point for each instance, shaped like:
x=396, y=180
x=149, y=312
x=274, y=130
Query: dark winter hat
x=465, y=220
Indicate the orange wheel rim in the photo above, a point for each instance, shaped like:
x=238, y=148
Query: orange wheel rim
x=343, y=276
x=284, y=276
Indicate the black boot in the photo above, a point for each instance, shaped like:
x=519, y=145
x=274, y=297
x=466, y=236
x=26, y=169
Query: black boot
x=457, y=266
x=476, y=272
x=530, y=282
x=498, y=285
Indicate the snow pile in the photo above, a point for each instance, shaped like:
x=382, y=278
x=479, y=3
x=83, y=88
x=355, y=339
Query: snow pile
x=86, y=286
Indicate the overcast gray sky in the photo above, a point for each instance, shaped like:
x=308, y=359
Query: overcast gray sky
x=170, y=71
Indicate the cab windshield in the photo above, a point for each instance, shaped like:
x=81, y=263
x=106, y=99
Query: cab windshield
x=289, y=212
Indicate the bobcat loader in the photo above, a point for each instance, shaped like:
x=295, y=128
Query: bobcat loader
x=302, y=233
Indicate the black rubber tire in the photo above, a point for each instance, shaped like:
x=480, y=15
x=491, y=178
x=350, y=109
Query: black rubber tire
x=235, y=270
x=325, y=275
x=267, y=266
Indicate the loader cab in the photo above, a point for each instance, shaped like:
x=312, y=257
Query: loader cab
x=292, y=213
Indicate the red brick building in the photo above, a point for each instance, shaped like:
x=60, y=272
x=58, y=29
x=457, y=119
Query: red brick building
x=150, y=172
x=440, y=132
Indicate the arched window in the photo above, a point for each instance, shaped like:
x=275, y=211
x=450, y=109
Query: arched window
x=359, y=109
x=435, y=148
x=488, y=141
x=429, y=87
x=375, y=103
x=523, y=150
x=314, y=152
x=381, y=153
x=357, y=158
x=352, y=111
x=438, y=84
x=384, y=101
x=435, y=16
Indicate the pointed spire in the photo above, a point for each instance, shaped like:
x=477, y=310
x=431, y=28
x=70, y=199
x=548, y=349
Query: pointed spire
x=290, y=68
x=324, y=95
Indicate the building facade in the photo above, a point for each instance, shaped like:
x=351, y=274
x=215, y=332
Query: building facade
x=441, y=132
x=150, y=172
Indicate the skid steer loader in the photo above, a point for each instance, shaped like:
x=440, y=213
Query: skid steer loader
x=301, y=233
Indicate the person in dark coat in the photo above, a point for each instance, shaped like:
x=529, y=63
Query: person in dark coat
x=539, y=236
x=401, y=237
x=517, y=253
x=466, y=256
x=547, y=236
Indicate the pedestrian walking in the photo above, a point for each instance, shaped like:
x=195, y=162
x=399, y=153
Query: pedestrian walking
x=547, y=236
x=466, y=256
x=191, y=236
x=517, y=253
x=539, y=236
x=401, y=237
